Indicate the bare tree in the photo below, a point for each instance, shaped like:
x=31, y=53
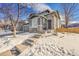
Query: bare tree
x=15, y=23
x=14, y=18
x=70, y=11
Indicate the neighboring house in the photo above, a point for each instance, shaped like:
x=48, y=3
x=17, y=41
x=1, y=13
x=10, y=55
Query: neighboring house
x=4, y=24
x=23, y=25
x=43, y=21
x=1, y=26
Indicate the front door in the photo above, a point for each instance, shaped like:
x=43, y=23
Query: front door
x=49, y=24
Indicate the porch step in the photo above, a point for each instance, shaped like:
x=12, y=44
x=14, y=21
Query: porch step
x=28, y=42
x=21, y=47
x=18, y=49
x=6, y=53
x=15, y=51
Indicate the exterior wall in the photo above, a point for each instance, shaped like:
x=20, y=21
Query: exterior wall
x=33, y=25
x=55, y=22
x=40, y=26
x=59, y=24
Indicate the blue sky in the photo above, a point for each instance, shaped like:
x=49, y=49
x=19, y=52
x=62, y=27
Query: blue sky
x=53, y=6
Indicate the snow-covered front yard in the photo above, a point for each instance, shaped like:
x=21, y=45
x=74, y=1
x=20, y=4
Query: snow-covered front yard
x=8, y=42
x=65, y=44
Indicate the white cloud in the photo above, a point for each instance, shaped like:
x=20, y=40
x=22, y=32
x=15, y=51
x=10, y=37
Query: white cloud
x=39, y=7
x=73, y=22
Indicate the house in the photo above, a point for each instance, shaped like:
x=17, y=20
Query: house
x=44, y=21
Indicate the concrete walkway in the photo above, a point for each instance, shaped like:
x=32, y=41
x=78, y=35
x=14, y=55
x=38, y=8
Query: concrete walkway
x=2, y=34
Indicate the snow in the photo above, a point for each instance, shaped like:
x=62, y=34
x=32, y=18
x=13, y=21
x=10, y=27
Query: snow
x=8, y=42
x=65, y=44
x=5, y=32
x=62, y=45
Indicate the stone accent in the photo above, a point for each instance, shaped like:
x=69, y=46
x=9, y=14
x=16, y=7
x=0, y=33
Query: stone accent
x=33, y=30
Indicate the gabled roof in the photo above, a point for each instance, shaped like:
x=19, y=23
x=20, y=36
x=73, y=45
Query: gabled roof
x=45, y=11
x=32, y=15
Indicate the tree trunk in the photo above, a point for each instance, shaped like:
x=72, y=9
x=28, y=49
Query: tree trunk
x=14, y=31
x=66, y=22
x=14, y=25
